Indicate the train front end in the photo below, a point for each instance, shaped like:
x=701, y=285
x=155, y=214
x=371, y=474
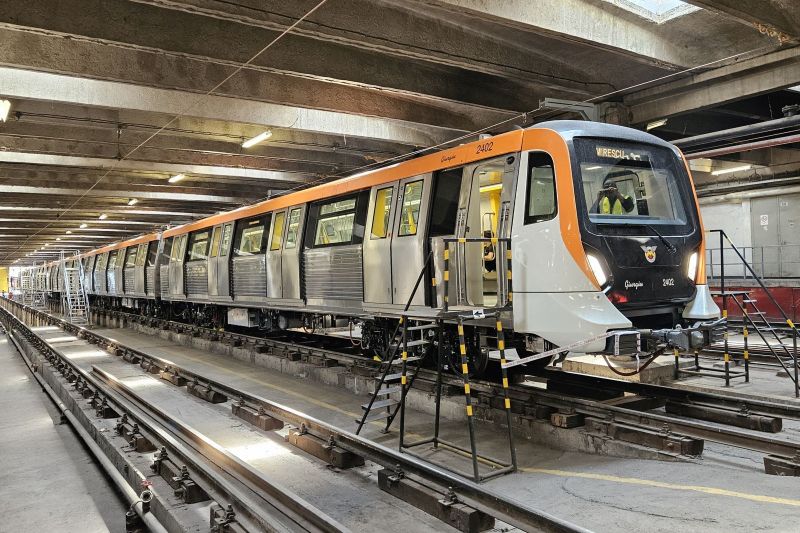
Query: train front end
x=642, y=233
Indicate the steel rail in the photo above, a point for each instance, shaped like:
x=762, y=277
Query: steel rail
x=473, y=494
x=288, y=514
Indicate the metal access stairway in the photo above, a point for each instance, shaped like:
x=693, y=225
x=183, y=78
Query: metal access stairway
x=74, y=300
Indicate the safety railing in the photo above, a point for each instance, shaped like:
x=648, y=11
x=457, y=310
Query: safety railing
x=502, y=260
x=726, y=295
x=772, y=261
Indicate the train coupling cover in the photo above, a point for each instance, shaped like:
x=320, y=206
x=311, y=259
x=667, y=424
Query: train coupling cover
x=695, y=337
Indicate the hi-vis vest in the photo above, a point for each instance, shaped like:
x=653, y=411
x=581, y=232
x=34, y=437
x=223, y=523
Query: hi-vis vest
x=606, y=209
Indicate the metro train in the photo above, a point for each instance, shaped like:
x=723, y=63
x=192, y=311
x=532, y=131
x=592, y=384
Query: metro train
x=603, y=229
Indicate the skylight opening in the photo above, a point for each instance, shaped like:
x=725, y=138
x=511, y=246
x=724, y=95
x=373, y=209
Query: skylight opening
x=658, y=11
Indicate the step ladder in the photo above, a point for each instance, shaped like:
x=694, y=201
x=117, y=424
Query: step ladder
x=74, y=300
x=397, y=372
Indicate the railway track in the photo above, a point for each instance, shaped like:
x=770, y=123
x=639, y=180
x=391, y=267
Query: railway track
x=672, y=419
x=227, y=478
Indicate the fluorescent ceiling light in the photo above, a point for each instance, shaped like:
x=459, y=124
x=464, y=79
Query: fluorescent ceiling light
x=133, y=201
x=176, y=178
x=58, y=238
x=5, y=107
x=257, y=139
x=730, y=170
x=656, y=124
x=84, y=225
x=69, y=232
x=103, y=216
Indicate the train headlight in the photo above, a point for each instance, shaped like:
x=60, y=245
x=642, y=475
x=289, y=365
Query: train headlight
x=691, y=271
x=597, y=269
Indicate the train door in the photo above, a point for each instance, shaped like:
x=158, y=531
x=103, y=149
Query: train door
x=176, y=287
x=377, y=248
x=223, y=261
x=213, y=264
x=408, y=243
x=290, y=259
x=274, y=250
x=484, y=212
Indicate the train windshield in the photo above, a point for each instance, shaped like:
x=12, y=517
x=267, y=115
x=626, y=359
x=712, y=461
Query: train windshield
x=632, y=184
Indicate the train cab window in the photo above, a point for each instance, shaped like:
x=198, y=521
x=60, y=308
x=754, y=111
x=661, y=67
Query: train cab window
x=444, y=203
x=335, y=223
x=130, y=256
x=409, y=216
x=540, y=200
x=380, y=218
x=249, y=238
x=277, y=231
x=215, y=239
x=227, y=231
x=294, y=225
x=198, y=245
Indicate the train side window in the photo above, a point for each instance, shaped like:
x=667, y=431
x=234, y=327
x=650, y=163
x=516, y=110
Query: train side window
x=444, y=202
x=409, y=216
x=215, y=238
x=176, y=247
x=540, y=200
x=130, y=256
x=249, y=237
x=152, y=252
x=294, y=226
x=277, y=232
x=112, y=260
x=226, y=239
x=198, y=245
x=335, y=224
x=141, y=254
x=380, y=218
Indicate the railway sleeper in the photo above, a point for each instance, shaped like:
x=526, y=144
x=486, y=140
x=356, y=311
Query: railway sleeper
x=435, y=500
x=659, y=440
x=740, y=418
x=325, y=450
x=776, y=465
x=205, y=392
x=256, y=417
x=223, y=520
x=179, y=479
x=173, y=377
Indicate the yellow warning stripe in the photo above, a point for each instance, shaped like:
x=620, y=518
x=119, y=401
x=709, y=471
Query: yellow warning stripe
x=464, y=368
x=463, y=349
x=447, y=275
x=433, y=281
x=664, y=485
x=508, y=254
x=501, y=345
x=466, y=388
x=505, y=383
x=469, y=410
x=508, y=403
x=499, y=325
x=462, y=240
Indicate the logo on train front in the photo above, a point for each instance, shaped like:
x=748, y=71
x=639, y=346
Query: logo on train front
x=649, y=253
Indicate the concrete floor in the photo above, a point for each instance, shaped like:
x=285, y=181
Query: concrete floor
x=48, y=480
x=725, y=490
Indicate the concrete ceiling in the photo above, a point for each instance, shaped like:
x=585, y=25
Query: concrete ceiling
x=109, y=96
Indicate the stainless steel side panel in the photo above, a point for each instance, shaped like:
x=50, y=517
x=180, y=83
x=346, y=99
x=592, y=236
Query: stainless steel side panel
x=197, y=280
x=333, y=276
x=249, y=278
x=164, y=282
x=129, y=279
x=150, y=281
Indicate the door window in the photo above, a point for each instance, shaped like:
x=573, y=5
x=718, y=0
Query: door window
x=215, y=238
x=380, y=218
x=335, y=224
x=249, y=237
x=226, y=239
x=540, y=201
x=277, y=231
x=409, y=217
x=294, y=226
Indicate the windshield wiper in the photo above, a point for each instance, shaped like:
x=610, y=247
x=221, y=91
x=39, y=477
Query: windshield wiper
x=670, y=247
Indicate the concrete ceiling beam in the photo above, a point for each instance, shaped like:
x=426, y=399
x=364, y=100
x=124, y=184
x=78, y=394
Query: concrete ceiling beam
x=95, y=193
x=176, y=85
x=777, y=18
x=746, y=78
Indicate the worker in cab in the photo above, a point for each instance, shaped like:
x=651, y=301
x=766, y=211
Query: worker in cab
x=612, y=202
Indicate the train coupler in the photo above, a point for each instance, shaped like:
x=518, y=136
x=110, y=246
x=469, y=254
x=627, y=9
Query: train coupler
x=700, y=335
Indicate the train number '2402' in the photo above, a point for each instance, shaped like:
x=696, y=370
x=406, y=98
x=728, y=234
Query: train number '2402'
x=668, y=282
x=485, y=147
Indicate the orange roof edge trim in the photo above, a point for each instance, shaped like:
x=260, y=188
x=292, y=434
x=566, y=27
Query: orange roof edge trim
x=488, y=148
x=124, y=244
